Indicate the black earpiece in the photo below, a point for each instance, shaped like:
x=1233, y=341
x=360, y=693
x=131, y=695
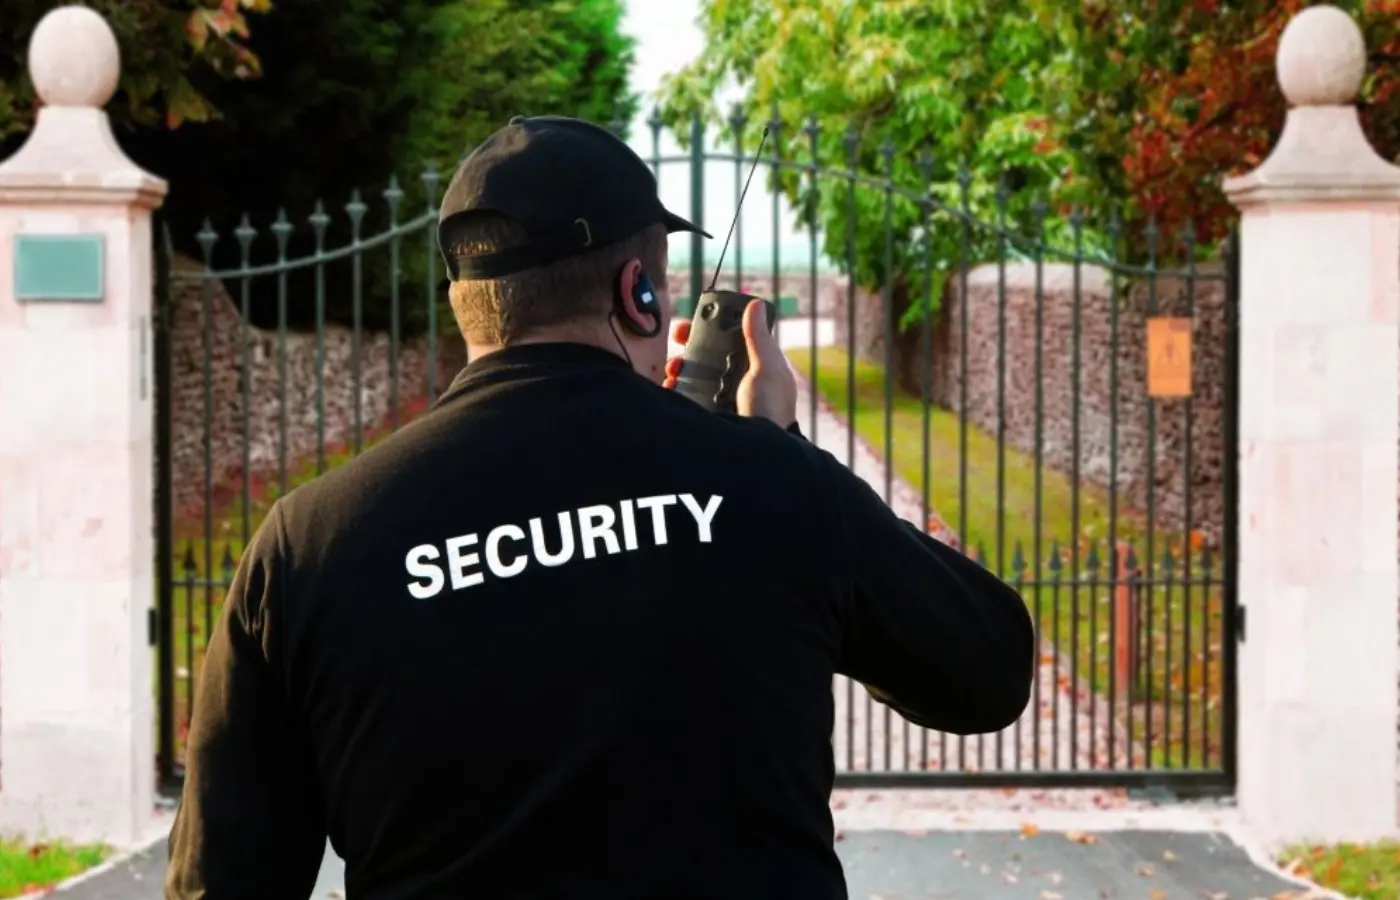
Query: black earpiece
x=647, y=303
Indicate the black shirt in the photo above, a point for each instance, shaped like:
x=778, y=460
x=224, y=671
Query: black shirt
x=569, y=635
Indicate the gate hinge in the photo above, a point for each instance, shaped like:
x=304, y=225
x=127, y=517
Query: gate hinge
x=1239, y=624
x=152, y=626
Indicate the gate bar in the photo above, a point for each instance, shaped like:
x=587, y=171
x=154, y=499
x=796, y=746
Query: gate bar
x=161, y=320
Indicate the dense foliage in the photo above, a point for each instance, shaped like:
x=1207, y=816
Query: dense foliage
x=168, y=48
x=1157, y=103
x=338, y=95
x=1126, y=112
x=895, y=93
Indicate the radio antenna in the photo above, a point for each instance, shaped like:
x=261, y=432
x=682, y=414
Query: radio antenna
x=738, y=207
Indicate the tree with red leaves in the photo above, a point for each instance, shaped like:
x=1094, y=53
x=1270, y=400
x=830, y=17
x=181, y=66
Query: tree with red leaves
x=1163, y=101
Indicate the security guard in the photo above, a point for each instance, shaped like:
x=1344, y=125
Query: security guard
x=570, y=635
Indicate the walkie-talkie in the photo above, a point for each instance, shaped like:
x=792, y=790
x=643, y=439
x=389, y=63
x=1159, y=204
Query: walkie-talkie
x=716, y=358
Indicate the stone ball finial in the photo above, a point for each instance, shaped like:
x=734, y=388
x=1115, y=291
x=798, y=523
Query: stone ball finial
x=1321, y=58
x=74, y=59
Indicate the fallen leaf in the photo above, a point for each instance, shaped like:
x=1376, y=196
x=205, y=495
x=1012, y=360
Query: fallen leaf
x=1029, y=829
x=1081, y=837
x=1050, y=895
x=1219, y=895
x=840, y=836
x=916, y=832
x=1157, y=895
x=960, y=853
x=1169, y=856
x=985, y=869
x=1009, y=878
x=1145, y=871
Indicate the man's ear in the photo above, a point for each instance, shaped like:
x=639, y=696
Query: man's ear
x=627, y=295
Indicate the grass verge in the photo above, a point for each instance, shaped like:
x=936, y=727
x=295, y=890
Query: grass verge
x=31, y=867
x=1051, y=537
x=1365, y=871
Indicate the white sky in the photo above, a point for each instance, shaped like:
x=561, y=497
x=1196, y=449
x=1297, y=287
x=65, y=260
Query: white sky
x=667, y=39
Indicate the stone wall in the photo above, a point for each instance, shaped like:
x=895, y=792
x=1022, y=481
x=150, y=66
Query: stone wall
x=223, y=419
x=1175, y=420
x=219, y=413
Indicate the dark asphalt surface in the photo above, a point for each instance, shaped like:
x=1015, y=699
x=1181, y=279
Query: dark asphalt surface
x=978, y=865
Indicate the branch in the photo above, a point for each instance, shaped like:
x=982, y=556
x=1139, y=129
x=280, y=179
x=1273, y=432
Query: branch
x=1219, y=118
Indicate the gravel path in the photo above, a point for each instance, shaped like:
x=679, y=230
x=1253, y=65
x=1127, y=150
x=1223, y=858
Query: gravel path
x=1066, y=727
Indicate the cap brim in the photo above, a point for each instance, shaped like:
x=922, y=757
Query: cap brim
x=675, y=223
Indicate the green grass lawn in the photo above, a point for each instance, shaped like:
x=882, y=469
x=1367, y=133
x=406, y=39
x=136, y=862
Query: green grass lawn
x=30, y=867
x=1364, y=871
x=1053, y=540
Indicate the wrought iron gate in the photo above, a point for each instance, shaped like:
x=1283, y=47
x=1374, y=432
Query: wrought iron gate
x=1065, y=412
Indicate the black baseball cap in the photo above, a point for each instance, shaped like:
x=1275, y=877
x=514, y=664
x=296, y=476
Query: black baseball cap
x=572, y=185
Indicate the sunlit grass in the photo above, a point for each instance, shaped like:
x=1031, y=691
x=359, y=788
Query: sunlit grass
x=28, y=867
x=1058, y=553
x=1363, y=871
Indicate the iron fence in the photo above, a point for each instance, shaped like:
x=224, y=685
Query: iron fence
x=1001, y=394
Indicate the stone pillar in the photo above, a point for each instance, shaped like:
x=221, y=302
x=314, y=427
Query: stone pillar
x=76, y=550
x=1319, y=405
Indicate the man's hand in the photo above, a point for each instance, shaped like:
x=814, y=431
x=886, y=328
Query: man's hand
x=769, y=389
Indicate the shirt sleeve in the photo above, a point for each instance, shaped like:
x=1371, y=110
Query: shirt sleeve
x=929, y=632
x=250, y=822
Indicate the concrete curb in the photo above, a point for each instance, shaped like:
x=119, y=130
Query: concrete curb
x=1185, y=819
x=158, y=832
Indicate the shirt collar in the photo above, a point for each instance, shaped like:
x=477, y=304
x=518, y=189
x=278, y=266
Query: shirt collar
x=532, y=359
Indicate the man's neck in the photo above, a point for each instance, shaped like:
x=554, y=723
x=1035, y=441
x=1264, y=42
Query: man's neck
x=550, y=336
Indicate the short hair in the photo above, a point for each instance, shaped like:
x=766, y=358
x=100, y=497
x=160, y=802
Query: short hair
x=501, y=310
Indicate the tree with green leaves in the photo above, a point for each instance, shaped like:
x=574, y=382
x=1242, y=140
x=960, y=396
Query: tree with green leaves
x=1138, y=110
x=355, y=91
x=313, y=99
x=937, y=100
x=1129, y=114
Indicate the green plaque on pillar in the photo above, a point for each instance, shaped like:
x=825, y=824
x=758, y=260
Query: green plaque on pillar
x=58, y=268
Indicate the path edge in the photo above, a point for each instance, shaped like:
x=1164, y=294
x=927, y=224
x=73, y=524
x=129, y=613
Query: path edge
x=937, y=527
x=157, y=832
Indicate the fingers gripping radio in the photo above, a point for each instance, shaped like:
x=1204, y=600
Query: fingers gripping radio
x=715, y=358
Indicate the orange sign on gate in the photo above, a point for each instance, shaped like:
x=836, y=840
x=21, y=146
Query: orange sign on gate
x=1168, y=357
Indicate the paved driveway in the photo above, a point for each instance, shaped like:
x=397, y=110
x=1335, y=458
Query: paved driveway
x=979, y=865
